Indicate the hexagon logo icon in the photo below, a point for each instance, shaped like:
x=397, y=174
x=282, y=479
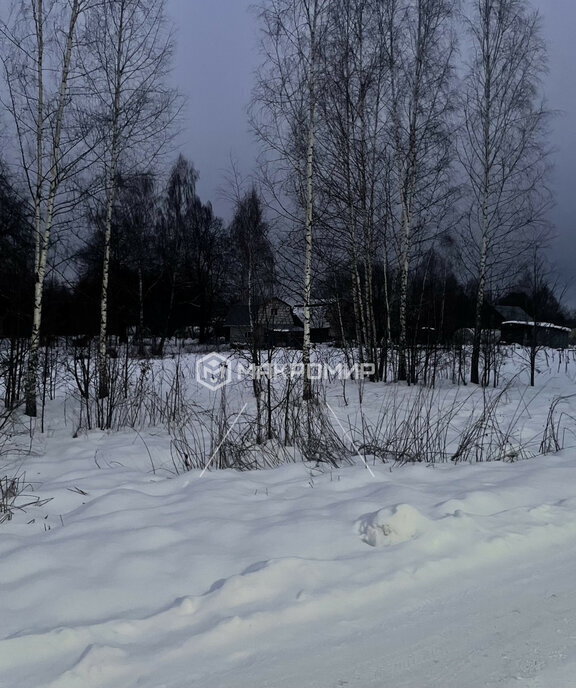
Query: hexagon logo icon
x=213, y=371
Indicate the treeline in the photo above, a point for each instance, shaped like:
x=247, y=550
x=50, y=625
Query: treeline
x=176, y=269
x=406, y=142
x=86, y=104
x=404, y=162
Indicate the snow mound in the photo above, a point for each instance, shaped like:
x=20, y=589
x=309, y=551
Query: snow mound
x=390, y=525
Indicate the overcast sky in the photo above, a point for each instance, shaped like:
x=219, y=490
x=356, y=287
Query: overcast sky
x=216, y=54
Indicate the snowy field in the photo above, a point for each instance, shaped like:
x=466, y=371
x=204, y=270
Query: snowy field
x=446, y=574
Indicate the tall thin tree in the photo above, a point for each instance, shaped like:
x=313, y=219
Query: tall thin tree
x=131, y=50
x=39, y=47
x=351, y=120
x=503, y=148
x=419, y=52
x=284, y=118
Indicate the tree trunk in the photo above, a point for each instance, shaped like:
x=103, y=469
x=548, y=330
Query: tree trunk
x=403, y=339
x=306, y=343
x=111, y=185
x=103, y=381
x=44, y=227
x=475, y=361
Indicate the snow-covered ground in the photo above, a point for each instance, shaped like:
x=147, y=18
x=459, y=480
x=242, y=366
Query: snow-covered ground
x=456, y=576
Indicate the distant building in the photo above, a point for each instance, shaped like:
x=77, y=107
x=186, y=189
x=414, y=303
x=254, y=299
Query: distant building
x=494, y=316
x=271, y=323
x=547, y=334
x=276, y=323
x=512, y=325
x=518, y=327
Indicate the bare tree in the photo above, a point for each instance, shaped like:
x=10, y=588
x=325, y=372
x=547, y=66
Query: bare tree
x=284, y=116
x=502, y=149
x=420, y=49
x=252, y=261
x=137, y=215
x=43, y=86
x=540, y=287
x=173, y=226
x=133, y=267
x=128, y=64
x=352, y=175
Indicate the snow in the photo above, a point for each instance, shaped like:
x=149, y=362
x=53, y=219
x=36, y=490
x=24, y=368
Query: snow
x=390, y=526
x=301, y=576
x=548, y=326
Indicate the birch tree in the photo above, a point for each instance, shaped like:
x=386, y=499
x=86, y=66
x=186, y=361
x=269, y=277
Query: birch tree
x=352, y=175
x=43, y=84
x=419, y=53
x=503, y=151
x=131, y=49
x=132, y=265
x=285, y=118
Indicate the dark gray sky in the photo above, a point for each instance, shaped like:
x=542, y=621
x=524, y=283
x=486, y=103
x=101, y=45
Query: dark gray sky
x=559, y=17
x=216, y=55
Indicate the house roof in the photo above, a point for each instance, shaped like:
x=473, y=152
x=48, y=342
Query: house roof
x=239, y=315
x=513, y=313
x=544, y=325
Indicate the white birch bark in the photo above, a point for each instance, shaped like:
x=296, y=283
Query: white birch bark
x=136, y=111
x=111, y=187
x=307, y=392
x=419, y=73
x=44, y=218
x=284, y=118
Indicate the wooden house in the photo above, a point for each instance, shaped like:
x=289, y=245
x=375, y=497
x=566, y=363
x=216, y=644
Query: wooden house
x=271, y=323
